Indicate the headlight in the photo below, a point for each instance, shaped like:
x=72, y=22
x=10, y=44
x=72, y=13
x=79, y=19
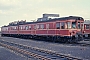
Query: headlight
x=76, y=35
x=86, y=35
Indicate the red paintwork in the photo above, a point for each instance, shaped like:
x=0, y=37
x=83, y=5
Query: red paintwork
x=87, y=31
x=51, y=31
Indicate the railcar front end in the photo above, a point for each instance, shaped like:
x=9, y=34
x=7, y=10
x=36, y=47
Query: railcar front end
x=71, y=29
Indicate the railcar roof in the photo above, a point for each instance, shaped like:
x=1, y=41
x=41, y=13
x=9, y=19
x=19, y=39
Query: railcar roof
x=62, y=18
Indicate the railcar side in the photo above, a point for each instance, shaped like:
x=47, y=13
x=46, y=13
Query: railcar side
x=66, y=29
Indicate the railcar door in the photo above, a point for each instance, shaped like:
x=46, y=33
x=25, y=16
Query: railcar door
x=57, y=28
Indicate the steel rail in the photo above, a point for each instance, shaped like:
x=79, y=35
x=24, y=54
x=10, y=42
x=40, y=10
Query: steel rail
x=22, y=51
x=46, y=51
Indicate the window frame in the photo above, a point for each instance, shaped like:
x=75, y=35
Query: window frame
x=42, y=26
x=58, y=26
x=63, y=25
x=74, y=25
x=88, y=26
x=68, y=25
x=47, y=26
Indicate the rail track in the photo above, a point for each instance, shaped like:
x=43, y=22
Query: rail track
x=83, y=44
x=35, y=52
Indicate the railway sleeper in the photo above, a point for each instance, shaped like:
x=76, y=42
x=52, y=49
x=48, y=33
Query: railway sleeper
x=45, y=51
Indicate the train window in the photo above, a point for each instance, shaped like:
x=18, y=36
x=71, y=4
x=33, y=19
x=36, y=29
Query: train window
x=58, y=25
x=73, y=25
x=87, y=26
x=30, y=27
x=47, y=26
x=42, y=26
x=62, y=25
x=26, y=27
x=37, y=26
x=15, y=28
x=78, y=25
x=21, y=27
x=6, y=29
x=68, y=25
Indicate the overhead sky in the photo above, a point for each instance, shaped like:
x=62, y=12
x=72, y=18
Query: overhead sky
x=14, y=10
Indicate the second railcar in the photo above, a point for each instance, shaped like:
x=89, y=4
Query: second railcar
x=87, y=29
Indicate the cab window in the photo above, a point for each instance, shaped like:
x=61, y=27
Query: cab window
x=78, y=25
x=87, y=26
x=73, y=25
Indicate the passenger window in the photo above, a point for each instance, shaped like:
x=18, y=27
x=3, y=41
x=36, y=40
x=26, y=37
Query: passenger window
x=42, y=26
x=21, y=27
x=6, y=29
x=26, y=27
x=62, y=25
x=37, y=26
x=14, y=28
x=47, y=26
x=30, y=27
x=68, y=25
x=58, y=25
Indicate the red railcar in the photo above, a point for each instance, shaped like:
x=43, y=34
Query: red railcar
x=64, y=29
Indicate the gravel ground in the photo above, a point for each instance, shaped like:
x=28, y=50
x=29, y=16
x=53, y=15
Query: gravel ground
x=6, y=54
x=70, y=49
